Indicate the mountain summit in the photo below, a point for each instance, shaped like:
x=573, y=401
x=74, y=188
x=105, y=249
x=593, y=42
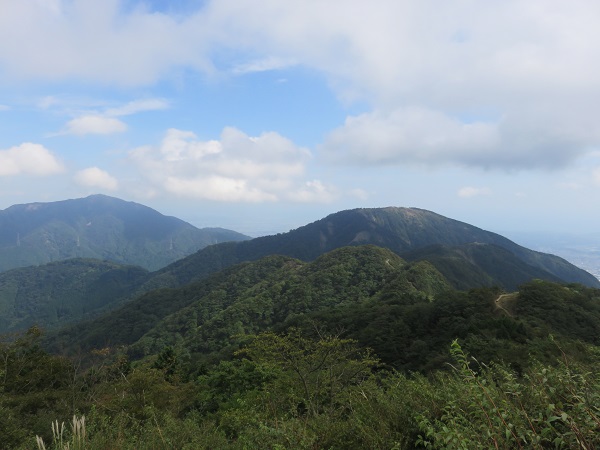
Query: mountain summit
x=99, y=227
x=458, y=250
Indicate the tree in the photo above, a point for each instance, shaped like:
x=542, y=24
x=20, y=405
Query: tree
x=313, y=375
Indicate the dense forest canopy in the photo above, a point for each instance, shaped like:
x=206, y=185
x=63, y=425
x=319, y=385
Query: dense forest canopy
x=358, y=349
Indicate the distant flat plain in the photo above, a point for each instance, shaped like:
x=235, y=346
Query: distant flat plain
x=582, y=250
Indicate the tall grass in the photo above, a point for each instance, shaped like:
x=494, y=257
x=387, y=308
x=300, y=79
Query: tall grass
x=59, y=442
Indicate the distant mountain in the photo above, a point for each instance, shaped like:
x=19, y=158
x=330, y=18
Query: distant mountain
x=58, y=293
x=494, y=260
x=99, y=227
x=467, y=256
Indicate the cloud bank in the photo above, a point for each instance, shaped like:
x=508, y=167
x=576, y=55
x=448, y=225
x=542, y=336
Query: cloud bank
x=506, y=84
x=235, y=168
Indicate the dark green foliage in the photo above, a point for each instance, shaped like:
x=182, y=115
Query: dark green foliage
x=292, y=391
x=313, y=376
x=34, y=387
x=490, y=407
x=477, y=264
x=347, y=351
x=406, y=312
x=467, y=256
x=572, y=310
x=268, y=292
x=63, y=292
x=140, y=316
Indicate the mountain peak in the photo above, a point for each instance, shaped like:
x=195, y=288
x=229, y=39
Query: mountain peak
x=102, y=227
x=403, y=231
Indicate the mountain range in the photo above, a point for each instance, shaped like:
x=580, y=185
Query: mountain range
x=99, y=227
x=302, y=339
x=468, y=256
x=69, y=291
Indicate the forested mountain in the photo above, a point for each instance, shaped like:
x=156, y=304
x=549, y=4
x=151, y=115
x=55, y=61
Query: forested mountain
x=475, y=264
x=345, y=333
x=356, y=349
x=467, y=256
x=64, y=291
x=402, y=230
x=99, y=227
x=251, y=297
x=406, y=312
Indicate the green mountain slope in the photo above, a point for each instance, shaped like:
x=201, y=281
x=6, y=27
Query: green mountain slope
x=409, y=333
x=406, y=312
x=475, y=264
x=402, y=230
x=58, y=293
x=252, y=297
x=99, y=227
x=458, y=250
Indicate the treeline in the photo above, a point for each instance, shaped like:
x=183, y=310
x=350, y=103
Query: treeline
x=291, y=391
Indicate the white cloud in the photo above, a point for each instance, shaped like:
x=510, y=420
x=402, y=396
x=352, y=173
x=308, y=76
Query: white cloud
x=409, y=135
x=359, y=194
x=47, y=102
x=217, y=188
x=470, y=191
x=4, y=107
x=236, y=168
x=98, y=41
x=263, y=65
x=93, y=177
x=596, y=175
x=570, y=185
x=433, y=138
x=29, y=159
x=314, y=192
x=94, y=125
x=136, y=106
x=105, y=122
x=180, y=145
x=512, y=83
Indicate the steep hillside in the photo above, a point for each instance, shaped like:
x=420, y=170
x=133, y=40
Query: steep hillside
x=476, y=264
x=406, y=312
x=402, y=230
x=99, y=227
x=252, y=297
x=62, y=292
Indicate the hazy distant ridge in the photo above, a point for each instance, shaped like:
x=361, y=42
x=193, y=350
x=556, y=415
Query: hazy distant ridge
x=99, y=227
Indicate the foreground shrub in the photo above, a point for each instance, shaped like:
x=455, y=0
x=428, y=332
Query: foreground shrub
x=489, y=407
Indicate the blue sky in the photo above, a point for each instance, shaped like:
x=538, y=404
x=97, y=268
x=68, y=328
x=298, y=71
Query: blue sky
x=264, y=115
